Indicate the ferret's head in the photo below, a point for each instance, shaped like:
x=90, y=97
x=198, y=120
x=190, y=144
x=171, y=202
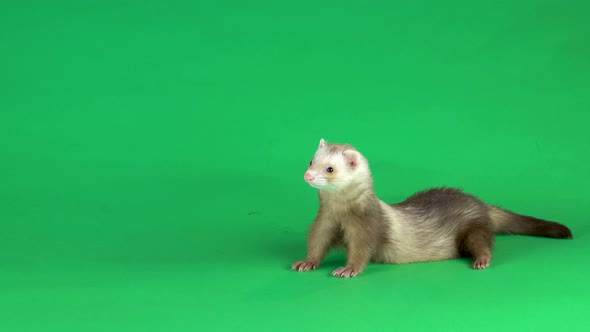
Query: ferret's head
x=337, y=166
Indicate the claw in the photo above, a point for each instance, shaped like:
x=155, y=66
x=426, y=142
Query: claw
x=346, y=272
x=302, y=266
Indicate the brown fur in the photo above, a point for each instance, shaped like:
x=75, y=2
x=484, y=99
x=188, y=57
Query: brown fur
x=476, y=240
x=360, y=227
x=511, y=223
x=435, y=224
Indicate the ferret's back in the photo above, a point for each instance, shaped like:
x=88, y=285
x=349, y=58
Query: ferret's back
x=425, y=226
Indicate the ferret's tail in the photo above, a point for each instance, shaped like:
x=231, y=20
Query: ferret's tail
x=506, y=222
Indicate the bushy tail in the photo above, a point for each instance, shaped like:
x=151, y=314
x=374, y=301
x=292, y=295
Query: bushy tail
x=506, y=222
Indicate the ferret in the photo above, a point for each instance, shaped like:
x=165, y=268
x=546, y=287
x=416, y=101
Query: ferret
x=432, y=225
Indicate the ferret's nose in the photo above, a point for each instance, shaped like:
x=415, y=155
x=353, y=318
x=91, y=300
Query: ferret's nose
x=309, y=176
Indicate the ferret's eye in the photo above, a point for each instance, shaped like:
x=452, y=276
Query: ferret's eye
x=329, y=169
x=310, y=162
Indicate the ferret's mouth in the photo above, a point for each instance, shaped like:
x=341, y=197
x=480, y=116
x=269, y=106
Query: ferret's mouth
x=317, y=185
x=323, y=186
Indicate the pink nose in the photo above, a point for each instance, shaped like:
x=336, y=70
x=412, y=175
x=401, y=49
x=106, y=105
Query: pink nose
x=308, y=176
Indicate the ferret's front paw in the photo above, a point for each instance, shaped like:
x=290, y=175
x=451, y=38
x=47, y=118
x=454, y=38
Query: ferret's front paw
x=303, y=266
x=346, y=272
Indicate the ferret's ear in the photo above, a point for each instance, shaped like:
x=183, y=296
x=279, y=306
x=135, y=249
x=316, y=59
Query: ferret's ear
x=322, y=143
x=351, y=157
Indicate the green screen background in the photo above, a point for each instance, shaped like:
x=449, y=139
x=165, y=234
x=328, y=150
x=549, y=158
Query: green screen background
x=153, y=154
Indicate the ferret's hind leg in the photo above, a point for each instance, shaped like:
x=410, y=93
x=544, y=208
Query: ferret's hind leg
x=477, y=240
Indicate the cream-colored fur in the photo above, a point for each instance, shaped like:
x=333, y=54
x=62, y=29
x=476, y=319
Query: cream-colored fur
x=406, y=240
x=432, y=225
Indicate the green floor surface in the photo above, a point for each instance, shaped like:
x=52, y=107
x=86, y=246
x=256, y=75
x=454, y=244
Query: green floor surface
x=152, y=160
